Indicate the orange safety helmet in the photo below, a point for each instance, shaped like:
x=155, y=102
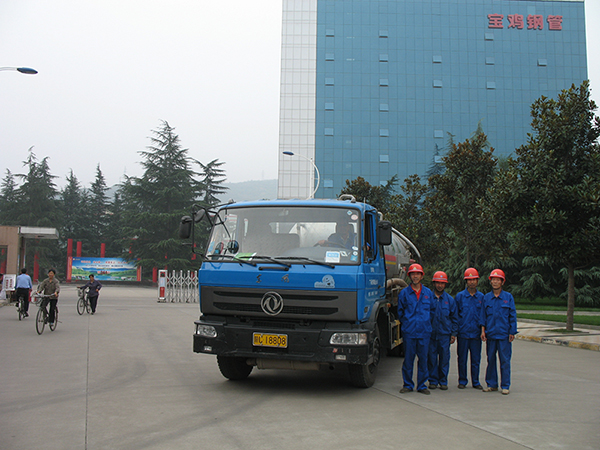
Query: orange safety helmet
x=415, y=268
x=497, y=273
x=471, y=273
x=440, y=276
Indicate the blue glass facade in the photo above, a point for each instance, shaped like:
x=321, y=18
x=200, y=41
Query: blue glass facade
x=393, y=79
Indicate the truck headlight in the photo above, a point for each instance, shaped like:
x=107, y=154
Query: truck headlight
x=206, y=331
x=348, y=339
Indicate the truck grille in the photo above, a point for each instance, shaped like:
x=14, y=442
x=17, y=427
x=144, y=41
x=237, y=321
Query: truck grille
x=302, y=305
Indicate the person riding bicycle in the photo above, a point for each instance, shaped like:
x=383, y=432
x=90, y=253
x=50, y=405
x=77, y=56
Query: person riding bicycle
x=50, y=286
x=23, y=288
x=93, y=292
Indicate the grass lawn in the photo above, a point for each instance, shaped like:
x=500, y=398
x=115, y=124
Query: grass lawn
x=536, y=307
x=584, y=320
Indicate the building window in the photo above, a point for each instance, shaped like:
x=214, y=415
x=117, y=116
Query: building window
x=329, y=32
x=328, y=183
x=328, y=106
x=542, y=62
x=329, y=57
x=384, y=82
x=437, y=83
x=437, y=59
x=384, y=158
x=438, y=133
x=329, y=81
x=489, y=36
x=383, y=57
x=328, y=131
x=491, y=85
x=383, y=33
x=490, y=61
x=384, y=132
x=384, y=107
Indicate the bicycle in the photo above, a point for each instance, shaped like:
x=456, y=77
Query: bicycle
x=83, y=304
x=42, y=316
x=21, y=307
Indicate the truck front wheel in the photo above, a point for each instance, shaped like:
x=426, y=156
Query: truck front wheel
x=234, y=368
x=364, y=375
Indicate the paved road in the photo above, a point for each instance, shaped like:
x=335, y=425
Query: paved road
x=126, y=378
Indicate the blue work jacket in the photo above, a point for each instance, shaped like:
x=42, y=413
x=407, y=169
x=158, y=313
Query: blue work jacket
x=415, y=314
x=444, y=320
x=469, y=312
x=499, y=315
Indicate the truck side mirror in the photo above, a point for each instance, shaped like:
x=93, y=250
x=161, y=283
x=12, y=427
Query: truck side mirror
x=185, y=227
x=384, y=233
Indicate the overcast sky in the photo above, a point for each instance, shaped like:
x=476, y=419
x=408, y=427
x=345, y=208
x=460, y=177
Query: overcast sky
x=111, y=70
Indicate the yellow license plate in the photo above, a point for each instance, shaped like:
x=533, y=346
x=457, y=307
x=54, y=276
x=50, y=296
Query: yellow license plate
x=270, y=340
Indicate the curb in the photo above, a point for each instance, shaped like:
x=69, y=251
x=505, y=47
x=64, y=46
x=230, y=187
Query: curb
x=561, y=342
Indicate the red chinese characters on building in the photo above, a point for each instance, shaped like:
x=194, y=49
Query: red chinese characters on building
x=495, y=20
x=534, y=21
x=555, y=23
x=515, y=21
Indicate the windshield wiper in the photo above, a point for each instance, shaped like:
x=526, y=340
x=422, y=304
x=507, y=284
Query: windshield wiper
x=235, y=258
x=270, y=259
x=302, y=258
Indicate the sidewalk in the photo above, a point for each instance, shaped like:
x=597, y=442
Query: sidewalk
x=584, y=336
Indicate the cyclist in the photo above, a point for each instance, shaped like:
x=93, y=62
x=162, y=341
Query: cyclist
x=94, y=292
x=23, y=287
x=50, y=286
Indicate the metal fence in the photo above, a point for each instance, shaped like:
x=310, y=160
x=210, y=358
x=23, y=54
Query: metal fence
x=181, y=287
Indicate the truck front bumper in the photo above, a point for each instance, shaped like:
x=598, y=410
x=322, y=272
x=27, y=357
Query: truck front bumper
x=303, y=343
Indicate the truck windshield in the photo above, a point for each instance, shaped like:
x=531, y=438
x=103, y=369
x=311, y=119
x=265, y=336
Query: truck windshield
x=286, y=235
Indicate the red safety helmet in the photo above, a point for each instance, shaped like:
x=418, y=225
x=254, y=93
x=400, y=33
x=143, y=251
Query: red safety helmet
x=415, y=268
x=471, y=273
x=497, y=273
x=440, y=276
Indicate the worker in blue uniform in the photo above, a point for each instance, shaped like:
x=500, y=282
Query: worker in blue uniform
x=444, y=326
x=498, y=329
x=415, y=306
x=468, y=304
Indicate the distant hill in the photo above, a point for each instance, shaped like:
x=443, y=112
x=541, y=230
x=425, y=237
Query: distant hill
x=250, y=190
x=240, y=192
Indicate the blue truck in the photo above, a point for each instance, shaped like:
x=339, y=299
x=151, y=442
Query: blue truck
x=299, y=284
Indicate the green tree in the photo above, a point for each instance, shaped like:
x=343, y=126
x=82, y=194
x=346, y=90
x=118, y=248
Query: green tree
x=8, y=200
x=550, y=195
x=97, y=209
x=458, y=199
x=213, y=178
x=378, y=196
x=72, y=206
x=154, y=204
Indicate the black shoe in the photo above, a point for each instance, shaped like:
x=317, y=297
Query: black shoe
x=25, y=315
x=432, y=386
x=404, y=390
x=93, y=312
x=424, y=391
x=443, y=387
x=461, y=386
x=480, y=387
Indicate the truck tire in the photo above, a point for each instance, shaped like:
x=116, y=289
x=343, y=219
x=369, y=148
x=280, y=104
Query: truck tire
x=234, y=368
x=364, y=376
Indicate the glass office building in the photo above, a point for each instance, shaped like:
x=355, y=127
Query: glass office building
x=375, y=88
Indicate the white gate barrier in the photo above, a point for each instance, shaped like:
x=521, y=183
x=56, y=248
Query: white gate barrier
x=182, y=287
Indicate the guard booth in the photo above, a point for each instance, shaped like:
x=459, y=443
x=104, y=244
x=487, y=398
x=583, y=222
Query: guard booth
x=162, y=285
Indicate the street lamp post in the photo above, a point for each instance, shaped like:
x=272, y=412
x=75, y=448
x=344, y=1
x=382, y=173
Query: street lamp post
x=25, y=70
x=312, y=176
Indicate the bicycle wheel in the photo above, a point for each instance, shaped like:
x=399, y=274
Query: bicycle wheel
x=80, y=306
x=52, y=325
x=21, y=309
x=40, y=320
x=88, y=308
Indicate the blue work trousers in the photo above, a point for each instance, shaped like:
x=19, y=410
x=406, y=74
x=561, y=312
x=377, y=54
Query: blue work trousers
x=438, y=361
x=464, y=347
x=418, y=347
x=502, y=348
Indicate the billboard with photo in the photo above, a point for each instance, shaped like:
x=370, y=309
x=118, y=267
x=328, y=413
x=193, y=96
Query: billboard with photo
x=115, y=269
